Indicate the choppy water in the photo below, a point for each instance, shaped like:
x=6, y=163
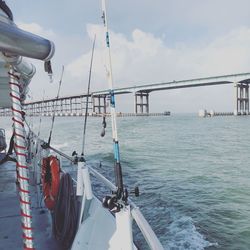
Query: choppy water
x=193, y=173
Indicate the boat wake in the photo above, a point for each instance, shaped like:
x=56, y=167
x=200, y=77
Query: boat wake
x=61, y=146
x=182, y=234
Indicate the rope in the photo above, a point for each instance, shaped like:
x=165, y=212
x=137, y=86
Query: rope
x=65, y=213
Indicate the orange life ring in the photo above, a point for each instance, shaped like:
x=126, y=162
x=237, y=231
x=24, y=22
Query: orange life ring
x=50, y=180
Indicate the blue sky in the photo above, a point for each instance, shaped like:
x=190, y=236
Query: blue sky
x=151, y=41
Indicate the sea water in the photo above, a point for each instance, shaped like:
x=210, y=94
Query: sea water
x=193, y=173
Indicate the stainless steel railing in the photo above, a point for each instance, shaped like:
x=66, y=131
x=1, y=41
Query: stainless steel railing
x=148, y=233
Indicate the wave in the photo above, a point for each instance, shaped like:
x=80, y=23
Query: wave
x=59, y=146
x=182, y=234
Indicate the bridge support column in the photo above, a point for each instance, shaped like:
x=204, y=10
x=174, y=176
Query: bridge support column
x=247, y=99
x=242, y=99
x=99, y=104
x=142, y=104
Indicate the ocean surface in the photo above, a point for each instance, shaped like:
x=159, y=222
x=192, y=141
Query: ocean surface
x=193, y=173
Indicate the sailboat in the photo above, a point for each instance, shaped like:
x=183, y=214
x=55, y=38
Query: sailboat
x=57, y=211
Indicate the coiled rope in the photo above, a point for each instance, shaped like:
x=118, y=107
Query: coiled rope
x=65, y=213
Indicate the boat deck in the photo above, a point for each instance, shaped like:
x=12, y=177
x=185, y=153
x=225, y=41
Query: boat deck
x=10, y=219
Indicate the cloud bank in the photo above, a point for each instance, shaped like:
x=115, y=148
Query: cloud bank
x=143, y=58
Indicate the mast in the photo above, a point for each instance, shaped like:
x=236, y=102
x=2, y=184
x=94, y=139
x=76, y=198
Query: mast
x=118, y=168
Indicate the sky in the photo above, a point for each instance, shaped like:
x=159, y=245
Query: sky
x=151, y=42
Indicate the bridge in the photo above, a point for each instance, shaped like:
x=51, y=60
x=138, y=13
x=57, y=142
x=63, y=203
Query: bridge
x=141, y=92
x=75, y=105
x=199, y=82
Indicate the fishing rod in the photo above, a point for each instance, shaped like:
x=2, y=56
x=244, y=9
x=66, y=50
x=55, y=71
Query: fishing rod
x=87, y=102
x=54, y=113
x=121, y=193
x=40, y=118
x=40, y=122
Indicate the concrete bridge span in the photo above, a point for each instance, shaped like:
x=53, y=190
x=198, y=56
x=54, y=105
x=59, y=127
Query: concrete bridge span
x=141, y=92
x=75, y=105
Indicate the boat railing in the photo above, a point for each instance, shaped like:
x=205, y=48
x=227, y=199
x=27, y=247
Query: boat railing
x=146, y=230
x=140, y=220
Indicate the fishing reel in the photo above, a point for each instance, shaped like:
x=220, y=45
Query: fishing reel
x=116, y=202
x=45, y=145
x=77, y=158
x=111, y=203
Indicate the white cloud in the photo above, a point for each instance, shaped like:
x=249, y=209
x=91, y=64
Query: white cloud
x=144, y=58
x=36, y=29
x=67, y=48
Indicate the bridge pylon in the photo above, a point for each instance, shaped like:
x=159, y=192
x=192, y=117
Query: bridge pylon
x=141, y=102
x=241, y=99
x=99, y=104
